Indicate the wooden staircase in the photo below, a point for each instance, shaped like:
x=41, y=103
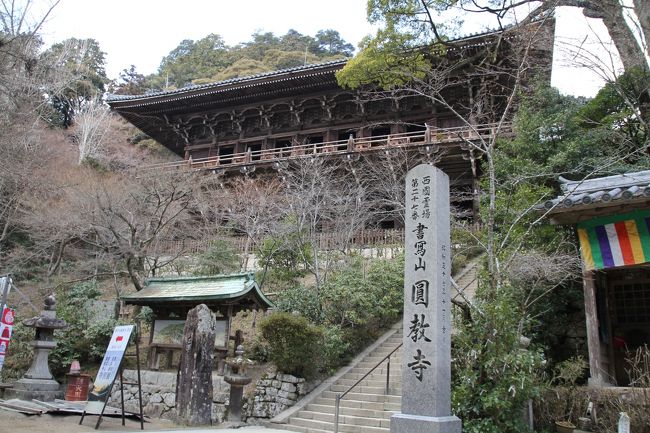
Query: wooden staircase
x=365, y=409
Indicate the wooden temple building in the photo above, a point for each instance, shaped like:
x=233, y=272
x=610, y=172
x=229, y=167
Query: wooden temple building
x=255, y=123
x=612, y=220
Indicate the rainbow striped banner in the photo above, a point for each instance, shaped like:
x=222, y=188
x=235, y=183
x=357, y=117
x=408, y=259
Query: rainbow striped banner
x=617, y=240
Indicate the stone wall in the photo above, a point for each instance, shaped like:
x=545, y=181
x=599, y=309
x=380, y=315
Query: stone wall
x=159, y=394
x=274, y=393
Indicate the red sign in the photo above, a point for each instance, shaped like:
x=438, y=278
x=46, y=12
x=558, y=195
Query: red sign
x=5, y=331
x=8, y=316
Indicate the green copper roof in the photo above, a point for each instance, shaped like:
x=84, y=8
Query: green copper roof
x=211, y=289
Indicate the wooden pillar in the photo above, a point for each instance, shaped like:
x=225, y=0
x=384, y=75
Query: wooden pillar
x=597, y=373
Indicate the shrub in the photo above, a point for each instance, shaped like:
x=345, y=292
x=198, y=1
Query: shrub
x=302, y=300
x=357, y=302
x=368, y=297
x=493, y=374
x=285, y=256
x=294, y=343
x=335, y=349
x=20, y=352
x=86, y=336
x=219, y=258
x=258, y=350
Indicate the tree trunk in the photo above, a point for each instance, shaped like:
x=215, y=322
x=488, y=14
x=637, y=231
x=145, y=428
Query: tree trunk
x=132, y=269
x=643, y=13
x=630, y=51
x=611, y=12
x=194, y=379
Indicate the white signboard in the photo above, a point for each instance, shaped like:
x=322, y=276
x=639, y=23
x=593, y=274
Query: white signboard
x=108, y=370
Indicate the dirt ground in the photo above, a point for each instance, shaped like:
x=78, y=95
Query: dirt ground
x=14, y=422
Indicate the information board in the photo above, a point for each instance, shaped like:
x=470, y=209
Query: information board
x=108, y=370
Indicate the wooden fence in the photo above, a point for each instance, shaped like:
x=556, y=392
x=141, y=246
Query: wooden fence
x=326, y=241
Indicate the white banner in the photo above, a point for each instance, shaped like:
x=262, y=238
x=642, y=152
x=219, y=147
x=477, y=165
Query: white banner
x=108, y=370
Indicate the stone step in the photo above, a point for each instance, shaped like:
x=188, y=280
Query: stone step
x=346, y=419
x=344, y=428
x=393, y=382
x=363, y=389
x=376, y=360
x=378, y=374
x=366, y=408
x=393, y=407
x=365, y=397
x=357, y=404
x=393, y=341
x=300, y=429
x=367, y=366
x=383, y=368
x=353, y=411
x=389, y=345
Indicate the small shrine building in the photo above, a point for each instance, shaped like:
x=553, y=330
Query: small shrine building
x=612, y=219
x=171, y=298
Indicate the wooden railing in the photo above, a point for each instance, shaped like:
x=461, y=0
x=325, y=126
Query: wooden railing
x=326, y=241
x=429, y=137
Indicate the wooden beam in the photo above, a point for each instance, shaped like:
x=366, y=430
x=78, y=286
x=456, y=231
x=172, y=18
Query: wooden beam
x=597, y=375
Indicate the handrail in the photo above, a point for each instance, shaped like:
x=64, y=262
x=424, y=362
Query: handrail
x=340, y=396
x=430, y=136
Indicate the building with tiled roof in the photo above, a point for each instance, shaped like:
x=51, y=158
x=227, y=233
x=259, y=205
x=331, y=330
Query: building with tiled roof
x=612, y=219
x=258, y=122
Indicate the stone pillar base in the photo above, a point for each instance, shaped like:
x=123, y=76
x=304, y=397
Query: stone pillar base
x=39, y=389
x=405, y=423
x=27, y=395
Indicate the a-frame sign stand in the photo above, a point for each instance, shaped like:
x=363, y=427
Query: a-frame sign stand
x=122, y=383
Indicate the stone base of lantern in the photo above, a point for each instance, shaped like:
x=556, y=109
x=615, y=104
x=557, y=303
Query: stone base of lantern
x=39, y=389
x=405, y=423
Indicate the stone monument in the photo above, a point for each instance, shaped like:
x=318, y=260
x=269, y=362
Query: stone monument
x=38, y=383
x=194, y=379
x=426, y=356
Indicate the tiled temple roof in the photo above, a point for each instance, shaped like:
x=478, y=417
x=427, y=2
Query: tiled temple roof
x=599, y=194
x=210, y=290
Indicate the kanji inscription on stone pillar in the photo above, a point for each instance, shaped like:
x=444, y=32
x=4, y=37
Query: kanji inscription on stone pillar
x=426, y=356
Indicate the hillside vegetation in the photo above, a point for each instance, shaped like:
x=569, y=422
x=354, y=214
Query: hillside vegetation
x=82, y=216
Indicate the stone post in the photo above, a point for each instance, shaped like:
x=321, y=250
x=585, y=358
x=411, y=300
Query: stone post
x=426, y=356
x=194, y=380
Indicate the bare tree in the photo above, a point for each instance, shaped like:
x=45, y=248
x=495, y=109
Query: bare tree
x=90, y=127
x=23, y=78
x=322, y=197
x=128, y=217
x=242, y=206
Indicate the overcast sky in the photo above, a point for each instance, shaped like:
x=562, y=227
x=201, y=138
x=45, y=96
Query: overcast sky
x=141, y=32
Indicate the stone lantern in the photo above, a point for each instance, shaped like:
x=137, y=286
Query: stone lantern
x=237, y=380
x=38, y=383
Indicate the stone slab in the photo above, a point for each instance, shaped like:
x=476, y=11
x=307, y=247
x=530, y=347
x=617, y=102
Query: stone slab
x=403, y=423
x=426, y=356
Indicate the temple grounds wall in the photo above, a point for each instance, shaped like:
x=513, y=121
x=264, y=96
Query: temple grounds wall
x=159, y=394
x=274, y=393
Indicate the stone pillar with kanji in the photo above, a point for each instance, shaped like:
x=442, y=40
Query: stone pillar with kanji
x=426, y=356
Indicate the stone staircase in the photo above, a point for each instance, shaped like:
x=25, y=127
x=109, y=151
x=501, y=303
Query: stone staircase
x=365, y=409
